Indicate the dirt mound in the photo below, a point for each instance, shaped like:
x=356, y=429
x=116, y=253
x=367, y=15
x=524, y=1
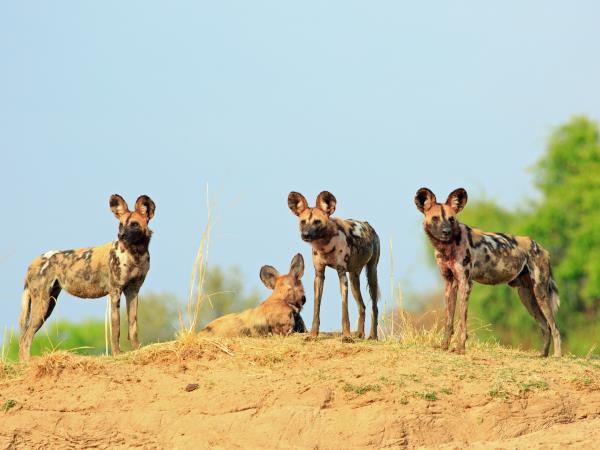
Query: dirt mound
x=288, y=393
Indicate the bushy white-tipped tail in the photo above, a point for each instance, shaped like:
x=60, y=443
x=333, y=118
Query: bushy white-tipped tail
x=25, y=309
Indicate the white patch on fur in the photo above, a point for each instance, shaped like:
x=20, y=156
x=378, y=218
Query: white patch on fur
x=358, y=230
x=491, y=241
x=50, y=254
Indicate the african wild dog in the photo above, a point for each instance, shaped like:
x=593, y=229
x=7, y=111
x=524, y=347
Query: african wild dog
x=346, y=246
x=110, y=269
x=464, y=254
x=278, y=314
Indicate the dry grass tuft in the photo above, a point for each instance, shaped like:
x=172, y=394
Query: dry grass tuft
x=54, y=363
x=187, y=347
x=9, y=370
x=188, y=325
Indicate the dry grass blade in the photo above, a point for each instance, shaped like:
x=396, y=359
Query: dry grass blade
x=196, y=296
x=220, y=346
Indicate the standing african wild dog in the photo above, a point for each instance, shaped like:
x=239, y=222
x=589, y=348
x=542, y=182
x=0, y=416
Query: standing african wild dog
x=110, y=269
x=346, y=246
x=464, y=254
x=278, y=314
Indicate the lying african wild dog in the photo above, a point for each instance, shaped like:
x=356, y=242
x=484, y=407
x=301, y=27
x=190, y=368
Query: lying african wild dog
x=464, y=254
x=345, y=245
x=110, y=269
x=278, y=314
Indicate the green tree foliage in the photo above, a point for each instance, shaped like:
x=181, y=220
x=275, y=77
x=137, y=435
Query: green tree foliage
x=566, y=221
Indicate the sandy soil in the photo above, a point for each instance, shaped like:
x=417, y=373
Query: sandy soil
x=289, y=393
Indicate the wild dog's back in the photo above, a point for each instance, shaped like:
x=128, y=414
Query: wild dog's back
x=77, y=271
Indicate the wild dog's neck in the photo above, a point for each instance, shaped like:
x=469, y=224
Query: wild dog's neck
x=318, y=244
x=446, y=248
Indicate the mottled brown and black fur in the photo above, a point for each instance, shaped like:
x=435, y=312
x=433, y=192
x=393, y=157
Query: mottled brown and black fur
x=279, y=314
x=110, y=269
x=464, y=254
x=345, y=245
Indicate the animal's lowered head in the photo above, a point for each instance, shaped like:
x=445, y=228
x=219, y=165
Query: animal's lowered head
x=286, y=287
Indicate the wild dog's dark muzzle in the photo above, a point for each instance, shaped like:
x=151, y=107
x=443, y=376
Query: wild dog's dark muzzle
x=132, y=235
x=303, y=299
x=312, y=234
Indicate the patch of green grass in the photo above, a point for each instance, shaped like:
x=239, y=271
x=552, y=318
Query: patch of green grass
x=430, y=396
x=361, y=389
x=529, y=386
x=446, y=391
x=412, y=377
x=436, y=371
x=498, y=392
x=8, y=404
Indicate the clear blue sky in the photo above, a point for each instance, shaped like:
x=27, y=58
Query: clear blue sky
x=370, y=100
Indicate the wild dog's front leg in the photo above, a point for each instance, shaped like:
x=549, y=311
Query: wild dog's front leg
x=131, y=296
x=450, y=290
x=115, y=300
x=319, y=281
x=464, y=291
x=346, y=336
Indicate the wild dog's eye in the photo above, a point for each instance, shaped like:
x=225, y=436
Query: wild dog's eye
x=435, y=219
x=135, y=224
x=303, y=222
x=451, y=219
x=317, y=222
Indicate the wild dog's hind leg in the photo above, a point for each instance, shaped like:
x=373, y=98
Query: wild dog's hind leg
x=131, y=297
x=450, y=291
x=524, y=287
x=346, y=336
x=540, y=277
x=373, y=285
x=355, y=286
x=115, y=302
x=41, y=306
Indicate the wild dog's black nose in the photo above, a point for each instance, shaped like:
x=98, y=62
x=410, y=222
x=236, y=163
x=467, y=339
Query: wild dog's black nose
x=305, y=235
x=303, y=299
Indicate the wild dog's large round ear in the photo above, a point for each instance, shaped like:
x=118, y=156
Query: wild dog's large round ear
x=297, y=203
x=457, y=199
x=268, y=275
x=145, y=206
x=297, y=266
x=118, y=205
x=326, y=202
x=424, y=199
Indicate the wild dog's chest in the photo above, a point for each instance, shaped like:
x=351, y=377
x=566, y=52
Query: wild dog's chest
x=451, y=259
x=333, y=254
x=126, y=266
